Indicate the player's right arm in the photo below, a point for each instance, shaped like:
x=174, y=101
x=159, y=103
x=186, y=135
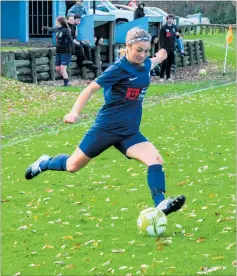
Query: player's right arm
x=81, y=101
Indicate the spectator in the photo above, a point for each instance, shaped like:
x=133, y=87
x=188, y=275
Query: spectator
x=154, y=49
x=73, y=27
x=68, y=4
x=139, y=11
x=64, y=47
x=168, y=34
x=133, y=4
x=82, y=48
x=98, y=41
x=154, y=44
x=78, y=8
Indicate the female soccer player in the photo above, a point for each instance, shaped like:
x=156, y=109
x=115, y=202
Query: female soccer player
x=117, y=123
x=64, y=47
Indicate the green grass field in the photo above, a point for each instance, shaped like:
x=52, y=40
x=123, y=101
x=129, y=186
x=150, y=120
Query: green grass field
x=85, y=223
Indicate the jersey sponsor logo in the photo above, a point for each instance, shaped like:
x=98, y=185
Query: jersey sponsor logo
x=132, y=93
x=133, y=78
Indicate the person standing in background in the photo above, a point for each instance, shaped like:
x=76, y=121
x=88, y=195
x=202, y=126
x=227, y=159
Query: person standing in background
x=64, y=47
x=139, y=11
x=68, y=4
x=78, y=8
x=167, y=38
x=132, y=4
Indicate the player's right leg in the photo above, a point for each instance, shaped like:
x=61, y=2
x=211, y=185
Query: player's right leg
x=62, y=162
x=94, y=143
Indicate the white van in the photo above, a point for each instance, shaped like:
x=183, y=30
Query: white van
x=106, y=7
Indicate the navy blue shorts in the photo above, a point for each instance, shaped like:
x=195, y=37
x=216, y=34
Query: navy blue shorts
x=97, y=140
x=63, y=59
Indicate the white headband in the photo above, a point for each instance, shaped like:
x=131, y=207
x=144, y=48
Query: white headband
x=139, y=39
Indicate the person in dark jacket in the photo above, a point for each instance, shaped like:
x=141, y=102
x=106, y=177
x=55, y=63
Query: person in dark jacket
x=64, y=47
x=82, y=49
x=139, y=11
x=167, y=37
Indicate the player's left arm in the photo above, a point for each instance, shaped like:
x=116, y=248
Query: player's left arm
x=161, y=55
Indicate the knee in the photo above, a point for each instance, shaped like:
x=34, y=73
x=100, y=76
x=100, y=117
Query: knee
x=159, y=159
x=72, y=167
x=58, y=69
x=155, y=160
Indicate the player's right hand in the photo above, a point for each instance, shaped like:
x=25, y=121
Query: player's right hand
x=70, y=118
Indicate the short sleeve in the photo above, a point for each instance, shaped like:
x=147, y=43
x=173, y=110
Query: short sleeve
x=111, y=76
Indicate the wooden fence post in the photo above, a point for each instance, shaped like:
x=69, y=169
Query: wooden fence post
x=213, y=30
x=195, y=30
x=190, y=52
x=201, y=30
x=52, y=64
x=8, y=65
x=189, y=30
x=33, y=66
x=202, y=50
x=84, y=72
x=196, y=44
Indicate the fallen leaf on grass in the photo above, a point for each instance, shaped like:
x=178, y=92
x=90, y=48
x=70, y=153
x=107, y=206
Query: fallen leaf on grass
x=49, y=190
x=202, y=169
x=62, y=263
x=34, y=265
x=93, y=268
x=131, y=242
x=111, y=270
x=77, y=202
x=218, y=258
x=47, y=246
x=201, y=239
x=206, y=270
x=107, y=263
x=230, y=246
x=68, y=237
x=23, y=227
x=70, y=266
x=118, y=250
x=77, y=246
x=123, y=267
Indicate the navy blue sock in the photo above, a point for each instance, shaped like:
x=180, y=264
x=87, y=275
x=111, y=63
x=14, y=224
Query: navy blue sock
x=156, y=183
x=57, y=163
x=66, y=82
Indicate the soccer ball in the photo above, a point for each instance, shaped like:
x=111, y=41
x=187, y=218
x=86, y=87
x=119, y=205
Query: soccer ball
x=202, y=72
x=152, y=222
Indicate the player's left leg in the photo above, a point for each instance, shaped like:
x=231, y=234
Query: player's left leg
x=146, y=153
x=65, y=61
x=137, y=147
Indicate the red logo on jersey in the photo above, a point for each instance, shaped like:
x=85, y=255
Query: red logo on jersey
x=133, y=93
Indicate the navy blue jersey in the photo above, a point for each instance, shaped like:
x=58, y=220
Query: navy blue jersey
x=125, y=86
